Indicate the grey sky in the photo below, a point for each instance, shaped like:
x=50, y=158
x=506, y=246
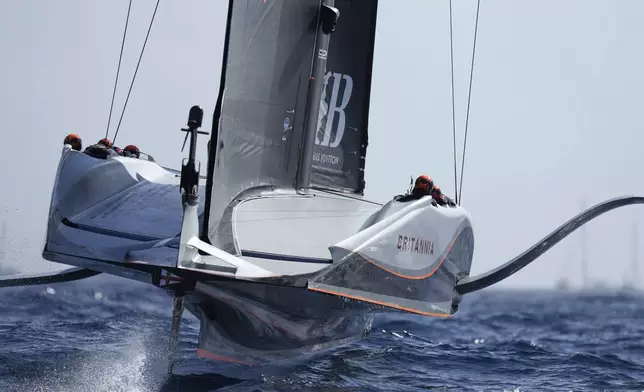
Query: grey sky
x=555, y=113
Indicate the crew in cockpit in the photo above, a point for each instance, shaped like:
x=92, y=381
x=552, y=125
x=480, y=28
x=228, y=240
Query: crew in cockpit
x=131, y=151
x=74, y=140
x=422, y=187
x=438, y=196
x=441, y=198
x=101, y=150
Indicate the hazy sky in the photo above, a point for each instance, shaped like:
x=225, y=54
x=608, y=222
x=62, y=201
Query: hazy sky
x=555, y=113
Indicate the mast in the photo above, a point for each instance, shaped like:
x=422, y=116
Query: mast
x=326, y=25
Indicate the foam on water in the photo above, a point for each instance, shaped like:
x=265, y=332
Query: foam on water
x=111, y=335
x=126, y=370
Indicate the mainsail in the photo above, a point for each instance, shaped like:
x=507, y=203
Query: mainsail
x=260, y=123
x=341, y=137
x=256, y=140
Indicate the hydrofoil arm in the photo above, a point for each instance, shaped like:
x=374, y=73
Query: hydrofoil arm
x=66, y=275
x=475, y=283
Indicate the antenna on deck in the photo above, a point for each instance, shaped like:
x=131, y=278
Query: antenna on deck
x=189, y=188
x=189, y=170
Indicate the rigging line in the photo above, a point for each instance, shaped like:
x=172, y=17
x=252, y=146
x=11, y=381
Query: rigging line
x=469, y=96
x=136, y=70
x=118, y=69
x=451, y=50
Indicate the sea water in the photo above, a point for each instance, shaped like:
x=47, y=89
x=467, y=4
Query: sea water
x=109, y=334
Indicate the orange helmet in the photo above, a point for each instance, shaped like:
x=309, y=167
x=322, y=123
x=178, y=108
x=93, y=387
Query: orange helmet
x=436, y=189
x=132, y=149
x=74, y=140
x=424, y=183
x=106, y=142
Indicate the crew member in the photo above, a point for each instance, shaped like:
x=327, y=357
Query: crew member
x=74, y=140
x=422, y=187
x=441, y=198
x=102, y=149
x=132, y=150
x=438, y=196
x=105, y=142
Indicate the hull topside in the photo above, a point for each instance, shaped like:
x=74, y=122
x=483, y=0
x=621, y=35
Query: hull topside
x=130, y=227
x=122, y=210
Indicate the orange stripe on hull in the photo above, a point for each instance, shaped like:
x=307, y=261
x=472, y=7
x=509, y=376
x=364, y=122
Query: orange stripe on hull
x=373, y=301
x=201, y=353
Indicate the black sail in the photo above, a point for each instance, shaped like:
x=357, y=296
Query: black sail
x=341, y=138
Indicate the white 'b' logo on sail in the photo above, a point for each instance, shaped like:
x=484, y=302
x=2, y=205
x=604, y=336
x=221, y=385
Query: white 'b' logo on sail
x=335, y=107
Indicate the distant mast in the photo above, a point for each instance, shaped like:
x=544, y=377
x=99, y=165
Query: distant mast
x=634, y=273
x=584, y=254
x=3, y=241
x=563, y=283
